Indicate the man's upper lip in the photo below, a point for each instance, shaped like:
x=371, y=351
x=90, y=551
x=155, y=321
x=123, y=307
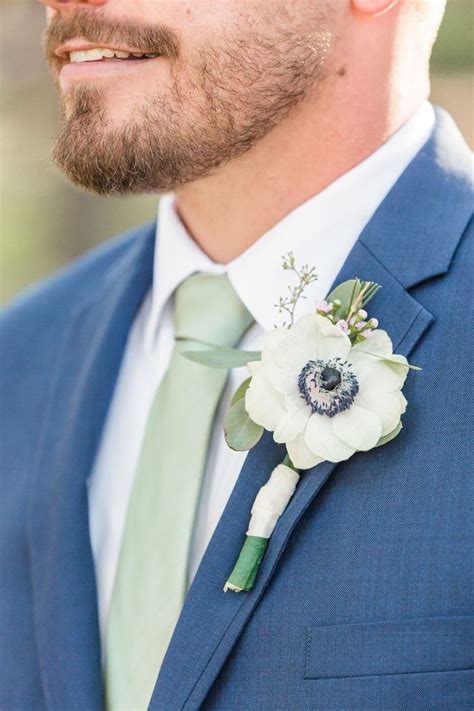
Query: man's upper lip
x=81, y=46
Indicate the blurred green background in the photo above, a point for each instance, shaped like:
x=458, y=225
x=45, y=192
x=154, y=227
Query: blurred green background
x=45, y=222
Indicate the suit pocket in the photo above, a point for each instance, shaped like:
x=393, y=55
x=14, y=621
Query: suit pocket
x=438, y=644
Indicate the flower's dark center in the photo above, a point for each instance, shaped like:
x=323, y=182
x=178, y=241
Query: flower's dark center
x=329, y=387
x=330, y=377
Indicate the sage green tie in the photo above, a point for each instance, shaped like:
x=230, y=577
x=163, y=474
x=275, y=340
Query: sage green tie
x=151, y=577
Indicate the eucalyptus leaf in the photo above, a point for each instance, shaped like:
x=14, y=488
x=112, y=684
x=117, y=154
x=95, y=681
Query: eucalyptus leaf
x=241, y=433
x=348, y=292
x=391, y=435
x=222, y=357
x=343, y=292
x=240, y=392
x=390, y=361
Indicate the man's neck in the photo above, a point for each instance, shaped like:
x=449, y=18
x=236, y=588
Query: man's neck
x=231, y=209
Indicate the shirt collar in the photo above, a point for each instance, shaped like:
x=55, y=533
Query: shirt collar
x=319, y=232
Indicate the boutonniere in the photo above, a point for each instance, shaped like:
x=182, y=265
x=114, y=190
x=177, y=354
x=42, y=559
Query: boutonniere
x=327, y=385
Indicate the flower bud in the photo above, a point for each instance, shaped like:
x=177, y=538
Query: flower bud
x=323, y=307
x=343, y=326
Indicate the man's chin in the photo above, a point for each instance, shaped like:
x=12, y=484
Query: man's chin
x=137, y=154
x=114, y=161
x=102, y=172
x=99, y=148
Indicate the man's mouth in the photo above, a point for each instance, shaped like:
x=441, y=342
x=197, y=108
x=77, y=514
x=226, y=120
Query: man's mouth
x=79, y=59
x=99, y=54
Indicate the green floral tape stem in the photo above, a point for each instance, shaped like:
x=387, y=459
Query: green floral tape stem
x=245, y=570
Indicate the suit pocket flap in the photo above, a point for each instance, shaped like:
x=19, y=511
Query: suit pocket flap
x=410, y=646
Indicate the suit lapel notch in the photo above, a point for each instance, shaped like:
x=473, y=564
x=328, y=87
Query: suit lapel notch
x=417, y=228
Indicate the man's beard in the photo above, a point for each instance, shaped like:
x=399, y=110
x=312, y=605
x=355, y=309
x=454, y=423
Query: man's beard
x=215, y=109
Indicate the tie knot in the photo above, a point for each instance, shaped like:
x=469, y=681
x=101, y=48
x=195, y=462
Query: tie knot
x=208, y=309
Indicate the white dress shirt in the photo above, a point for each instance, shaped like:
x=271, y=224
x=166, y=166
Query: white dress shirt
x=321, y=233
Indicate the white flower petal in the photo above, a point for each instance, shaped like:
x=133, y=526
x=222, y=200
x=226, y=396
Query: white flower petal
x=282, y=359
x=295, y=352
x=374, y=373
x=321, y=439
x=378, y=343
x=293, y=398
x=388, y=406
x=264, y=404
x=331, y=341
x=403, y=402
x=254, y=366
x=380, y=346
x=283, y=378
x=293, y=422
x=358, y=427
x=301, y=456
x=326, y=340
x=307, y=327
x=272, y=341
x=285, y=382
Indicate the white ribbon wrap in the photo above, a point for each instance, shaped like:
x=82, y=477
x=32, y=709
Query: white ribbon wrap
x=271, y=500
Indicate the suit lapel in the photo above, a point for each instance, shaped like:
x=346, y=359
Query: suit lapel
x=61, y=560
x=406, y=242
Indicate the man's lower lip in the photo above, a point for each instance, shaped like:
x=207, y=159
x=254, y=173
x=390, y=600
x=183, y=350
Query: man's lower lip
x=104, y=67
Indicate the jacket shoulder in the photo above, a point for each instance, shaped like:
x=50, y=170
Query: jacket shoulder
x=51, y=301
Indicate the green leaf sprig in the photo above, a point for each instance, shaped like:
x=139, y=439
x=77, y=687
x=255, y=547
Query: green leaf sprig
x=241, y=433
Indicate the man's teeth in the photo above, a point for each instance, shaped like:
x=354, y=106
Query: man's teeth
x=93, y=55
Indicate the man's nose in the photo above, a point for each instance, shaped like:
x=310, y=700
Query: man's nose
x=63, y=4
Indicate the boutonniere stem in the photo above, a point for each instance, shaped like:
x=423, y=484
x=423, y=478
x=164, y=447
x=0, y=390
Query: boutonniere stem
x=270, y=502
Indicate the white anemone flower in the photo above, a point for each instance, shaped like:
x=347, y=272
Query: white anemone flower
x=322, y=397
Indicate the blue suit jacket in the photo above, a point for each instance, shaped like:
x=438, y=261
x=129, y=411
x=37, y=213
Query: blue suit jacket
x=364, y=600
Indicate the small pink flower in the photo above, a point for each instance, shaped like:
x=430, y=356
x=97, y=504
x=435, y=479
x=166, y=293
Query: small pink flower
x=324, y=307
x=373, y=323
x=343, y=325
x=362, y=324
x=367, y=334
x=362, y=313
